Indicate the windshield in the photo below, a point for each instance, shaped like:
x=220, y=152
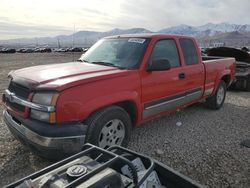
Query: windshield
x=118, y=52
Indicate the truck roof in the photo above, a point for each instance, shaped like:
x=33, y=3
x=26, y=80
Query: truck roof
x=149, y=35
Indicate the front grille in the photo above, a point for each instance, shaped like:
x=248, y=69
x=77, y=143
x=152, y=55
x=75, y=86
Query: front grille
x=15, y=106
x=20, y=91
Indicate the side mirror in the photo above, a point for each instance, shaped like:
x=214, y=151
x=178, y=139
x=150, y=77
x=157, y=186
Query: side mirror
x=159, y=65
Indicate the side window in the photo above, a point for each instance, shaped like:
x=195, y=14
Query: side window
x=166, y=49
x=189, y=51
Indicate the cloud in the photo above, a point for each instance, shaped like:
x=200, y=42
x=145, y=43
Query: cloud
x=165, y=13
x=46, y=17
x=9, y=31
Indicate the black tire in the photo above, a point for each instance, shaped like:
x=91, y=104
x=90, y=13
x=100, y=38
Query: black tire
x=101, y=118
x=248, y=84
x=213, y=102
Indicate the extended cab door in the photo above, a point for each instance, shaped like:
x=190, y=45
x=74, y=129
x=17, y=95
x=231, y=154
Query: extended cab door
x=193, y=69
x=163, y=90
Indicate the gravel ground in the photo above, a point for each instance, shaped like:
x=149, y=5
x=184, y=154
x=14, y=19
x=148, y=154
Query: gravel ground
x=206, y=147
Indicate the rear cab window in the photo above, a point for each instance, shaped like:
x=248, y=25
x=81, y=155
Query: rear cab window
x=166, y=49
x=189, y=51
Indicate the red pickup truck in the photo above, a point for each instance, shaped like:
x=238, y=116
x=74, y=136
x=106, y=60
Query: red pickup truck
x=120, y=82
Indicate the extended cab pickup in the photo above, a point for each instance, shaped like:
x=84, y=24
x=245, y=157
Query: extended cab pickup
x=120, y=82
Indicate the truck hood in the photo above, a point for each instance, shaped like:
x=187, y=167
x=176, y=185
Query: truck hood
x=242, y=64
x=60, y=75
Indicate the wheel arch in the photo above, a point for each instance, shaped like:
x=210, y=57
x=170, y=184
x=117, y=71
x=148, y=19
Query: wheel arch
x=227, y=79
x=131, y=108
x=128, y=105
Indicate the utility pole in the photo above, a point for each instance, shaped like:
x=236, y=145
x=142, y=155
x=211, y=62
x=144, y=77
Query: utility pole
x=36, y=42
x=58, y=42
x=73, y=42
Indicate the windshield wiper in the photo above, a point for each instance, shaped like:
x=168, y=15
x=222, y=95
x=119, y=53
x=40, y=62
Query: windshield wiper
x=82, y=60
x=107, y=64
x=101, y=63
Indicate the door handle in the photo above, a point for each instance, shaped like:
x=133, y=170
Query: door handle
x=182, y=76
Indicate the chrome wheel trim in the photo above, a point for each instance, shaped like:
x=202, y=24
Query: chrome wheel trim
x=112, y=133
x=220, y=95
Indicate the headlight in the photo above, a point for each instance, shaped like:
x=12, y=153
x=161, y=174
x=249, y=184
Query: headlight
x=48, y=99
x=43, y=98
x=42, y=116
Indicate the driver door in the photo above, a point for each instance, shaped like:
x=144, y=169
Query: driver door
x=163, y=90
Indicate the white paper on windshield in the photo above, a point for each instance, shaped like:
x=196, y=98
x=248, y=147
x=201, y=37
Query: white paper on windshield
x=136, y=40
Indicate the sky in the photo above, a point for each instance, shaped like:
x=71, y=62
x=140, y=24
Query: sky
x=39, y=18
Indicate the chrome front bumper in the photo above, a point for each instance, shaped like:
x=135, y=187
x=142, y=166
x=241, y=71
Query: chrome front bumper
x=69, y=144
x=13, y=98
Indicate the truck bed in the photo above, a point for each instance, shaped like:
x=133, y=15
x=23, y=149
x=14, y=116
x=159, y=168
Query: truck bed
x=211, y=65
x=209, y=59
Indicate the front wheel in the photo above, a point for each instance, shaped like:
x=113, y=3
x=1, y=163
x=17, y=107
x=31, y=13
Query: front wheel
x=109, y=126
x=216, y=101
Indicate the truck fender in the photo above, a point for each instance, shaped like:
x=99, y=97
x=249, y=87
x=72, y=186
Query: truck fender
x=107, y=100
x=226, y=72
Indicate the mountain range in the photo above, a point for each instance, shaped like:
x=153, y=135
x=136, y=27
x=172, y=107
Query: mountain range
x=209, y=32
x=209, y=29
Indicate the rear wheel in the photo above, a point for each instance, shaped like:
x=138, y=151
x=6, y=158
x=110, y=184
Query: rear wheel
x=248, y=84
x=109, y=126
x=216, y=101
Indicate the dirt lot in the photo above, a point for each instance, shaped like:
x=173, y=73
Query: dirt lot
x=206, y=147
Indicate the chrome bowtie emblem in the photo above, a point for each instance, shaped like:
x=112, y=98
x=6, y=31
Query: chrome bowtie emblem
x=10, y=96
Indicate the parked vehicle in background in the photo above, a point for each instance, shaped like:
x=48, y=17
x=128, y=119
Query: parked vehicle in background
x=245, y=49
x=37, y=50
x=242, y=65
x=85, y=49
x=45, y=50
x=61, y=50
x=26, y=50
x=120, y=82
x=8, y=50
x=20, y=50
x=76, y=49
